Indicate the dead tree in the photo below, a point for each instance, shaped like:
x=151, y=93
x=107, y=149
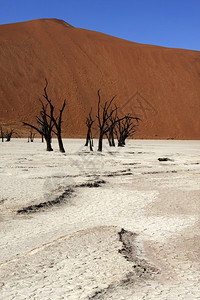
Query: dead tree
x=104, y=113
x=125, y=127
x=2, y=134
x=45, y=125
x=9, y=135
x=89, y=122
x=57, y=121
x=31, y=136
x=112, y=123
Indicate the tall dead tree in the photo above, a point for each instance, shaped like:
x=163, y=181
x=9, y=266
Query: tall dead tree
x=89, y=122
x=104, y=113
x=45, y=125
x=125, y=127
x=112, y=123
x=57, y=121
x=48, y=123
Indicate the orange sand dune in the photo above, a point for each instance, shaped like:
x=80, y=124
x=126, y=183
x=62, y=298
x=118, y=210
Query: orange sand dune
x=160, y=85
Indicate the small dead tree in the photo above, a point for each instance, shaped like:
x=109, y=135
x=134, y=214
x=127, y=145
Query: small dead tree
x=31, y=136
x=2, y=134
x=9, y=135
x=104, y=113
x=89, y=122
x=57, y=121
x=45, y=125
x=125, y=127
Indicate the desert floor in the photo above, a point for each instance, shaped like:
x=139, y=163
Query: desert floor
x=113, y=225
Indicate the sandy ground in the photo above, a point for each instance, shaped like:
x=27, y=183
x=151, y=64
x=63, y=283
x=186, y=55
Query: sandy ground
x=134, y=236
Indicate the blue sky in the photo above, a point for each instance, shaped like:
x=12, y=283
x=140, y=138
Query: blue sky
x=169, y=23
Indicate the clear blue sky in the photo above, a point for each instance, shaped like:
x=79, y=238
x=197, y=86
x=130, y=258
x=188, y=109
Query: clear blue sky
x=170, y=23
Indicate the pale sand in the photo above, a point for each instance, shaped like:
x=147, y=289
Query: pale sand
x=74, y=250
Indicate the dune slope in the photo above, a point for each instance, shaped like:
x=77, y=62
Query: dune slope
x=160, y=85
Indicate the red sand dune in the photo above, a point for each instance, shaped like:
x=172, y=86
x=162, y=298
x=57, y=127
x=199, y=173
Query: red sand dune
x=161, y=85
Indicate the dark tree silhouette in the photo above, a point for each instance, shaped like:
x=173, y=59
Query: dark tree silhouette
x=48, y=123
x=57, y=121
x=104, y=113
x=9, y=135
x=125, y=127
x=89, y=122
x=31, y=136
x=2, y=134
x=45, y=125
x=112, y=123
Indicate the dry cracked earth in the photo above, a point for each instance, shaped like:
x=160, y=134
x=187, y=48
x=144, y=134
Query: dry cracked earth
x=119, y=225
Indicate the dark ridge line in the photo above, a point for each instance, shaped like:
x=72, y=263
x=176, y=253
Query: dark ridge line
x=37, y=207
x=125, y=238
x=61, y=199
x=97, y=183
x=140, y=267
x=131, y=164
x=124, y=174
x=159, y=172
x=187, y=164
x=165, y=159
x=57, y=176
x=119, y=173
x=116, y=173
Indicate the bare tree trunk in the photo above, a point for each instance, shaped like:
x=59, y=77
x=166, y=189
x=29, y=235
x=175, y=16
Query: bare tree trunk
x=104, y=114
x=100, y=146
x=111, y=136
x=57, y=121
x=60, y=143
x=88, y=137
x=9, y=135
x=113, y=141
x=91, y=145
x=89, y=122
x=121, y=143
x=2, y=135
x=31, y=136
x=109, y=140
x=48, y=141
